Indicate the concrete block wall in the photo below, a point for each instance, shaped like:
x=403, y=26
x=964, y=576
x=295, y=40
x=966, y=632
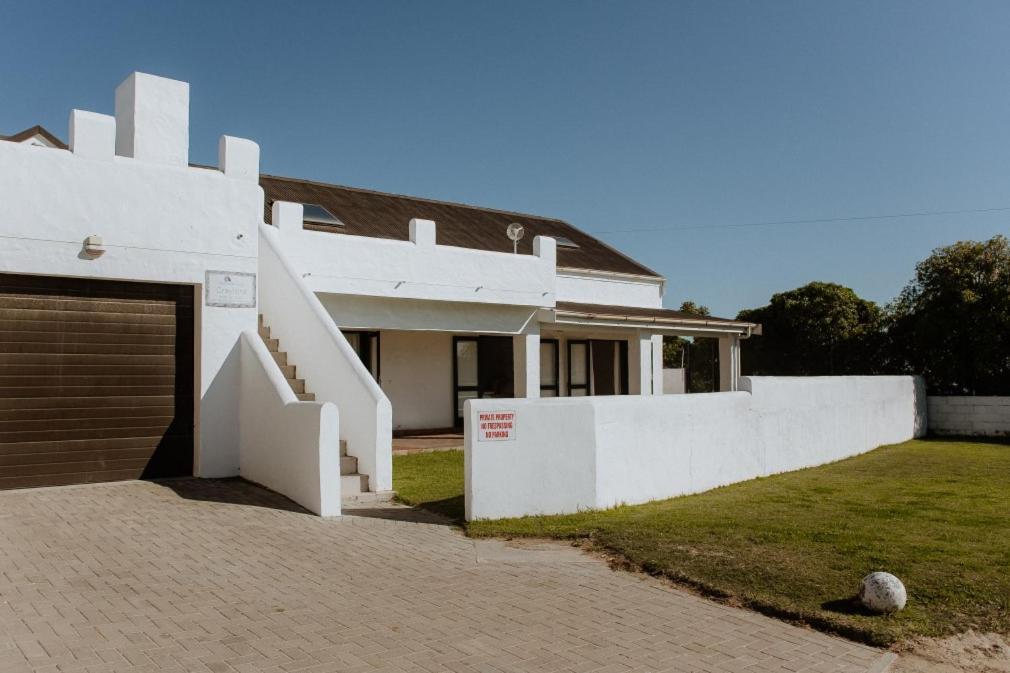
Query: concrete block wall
x=980, y=416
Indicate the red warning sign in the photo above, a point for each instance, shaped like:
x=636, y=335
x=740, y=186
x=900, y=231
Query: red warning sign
x=496, y=426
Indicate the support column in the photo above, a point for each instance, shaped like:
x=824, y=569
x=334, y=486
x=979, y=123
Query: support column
x=729, y=362
x=642, y=357
x=657, y=364
x=526, y=362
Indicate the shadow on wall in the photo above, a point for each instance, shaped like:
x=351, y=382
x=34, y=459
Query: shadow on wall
x=218, y=442
x=919, y=408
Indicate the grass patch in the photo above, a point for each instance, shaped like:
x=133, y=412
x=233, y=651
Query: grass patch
x=432, y=481
x=936, y=513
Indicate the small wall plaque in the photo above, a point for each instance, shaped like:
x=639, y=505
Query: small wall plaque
x=230, y=289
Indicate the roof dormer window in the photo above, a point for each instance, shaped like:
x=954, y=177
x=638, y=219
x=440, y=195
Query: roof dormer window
x=565, y=242
x=313, y=213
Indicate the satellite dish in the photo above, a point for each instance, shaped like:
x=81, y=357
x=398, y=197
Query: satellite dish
x=515, y=233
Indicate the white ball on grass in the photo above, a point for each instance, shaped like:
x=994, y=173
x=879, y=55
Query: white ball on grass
x=882, y=593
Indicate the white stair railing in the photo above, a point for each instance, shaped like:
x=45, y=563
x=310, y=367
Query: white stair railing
x=330, y=366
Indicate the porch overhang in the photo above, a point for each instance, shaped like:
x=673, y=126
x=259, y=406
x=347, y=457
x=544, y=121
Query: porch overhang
x=659, y=320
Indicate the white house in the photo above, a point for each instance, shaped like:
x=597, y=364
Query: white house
x=151, y=311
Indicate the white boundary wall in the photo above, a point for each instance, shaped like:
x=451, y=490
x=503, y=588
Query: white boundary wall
x=571, y=454
x=981, y=416
x=289, y=446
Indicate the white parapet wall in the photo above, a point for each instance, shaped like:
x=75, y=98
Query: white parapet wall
x=417, y=268
x=289, y=446
x=563, y=455
x=970, y=416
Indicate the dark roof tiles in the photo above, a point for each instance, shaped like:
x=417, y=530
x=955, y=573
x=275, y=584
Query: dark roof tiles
x=382, y=215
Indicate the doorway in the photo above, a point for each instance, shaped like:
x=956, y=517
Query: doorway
x=482, y=367
x=597, y=367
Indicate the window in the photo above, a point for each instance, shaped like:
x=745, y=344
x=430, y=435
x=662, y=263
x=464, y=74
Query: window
x=549, y=368
x=366, y=345
x=565, y=242
x=316, y=214
x=578, y=368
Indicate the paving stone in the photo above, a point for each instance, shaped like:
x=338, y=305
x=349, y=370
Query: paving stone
x=221, y=575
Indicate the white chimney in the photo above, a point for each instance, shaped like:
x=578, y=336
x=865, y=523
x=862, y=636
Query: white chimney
x=152, y=119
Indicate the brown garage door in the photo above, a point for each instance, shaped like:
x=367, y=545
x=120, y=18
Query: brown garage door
x=96, y=381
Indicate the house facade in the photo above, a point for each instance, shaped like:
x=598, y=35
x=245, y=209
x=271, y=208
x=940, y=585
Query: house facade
x=132, y=285
x=441, y=307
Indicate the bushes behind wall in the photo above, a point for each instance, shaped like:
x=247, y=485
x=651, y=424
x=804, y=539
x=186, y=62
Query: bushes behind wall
x=950, y=324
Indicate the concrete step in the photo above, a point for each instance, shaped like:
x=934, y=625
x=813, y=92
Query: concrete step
x=288, y=371
x=306, y=397
x=273, y=345
x=353, y=485
x=280, y=358
x=348, y=465
x=264, y=331
x=260, y=319
x=297, y=385
x=369, y=498
x=343, y=447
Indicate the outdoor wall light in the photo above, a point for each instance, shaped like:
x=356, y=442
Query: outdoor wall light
x=93, y=247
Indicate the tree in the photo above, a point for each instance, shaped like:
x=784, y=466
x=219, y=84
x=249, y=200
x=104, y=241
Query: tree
x=951, y=323
x=699, y=356
x=817, y=329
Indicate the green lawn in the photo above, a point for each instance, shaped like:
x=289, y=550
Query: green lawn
x=935, y=513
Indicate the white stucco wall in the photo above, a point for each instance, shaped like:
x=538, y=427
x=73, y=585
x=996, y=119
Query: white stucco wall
x=160, y=223
x=289, y=446
x=325, y=360
x=981, y=416
x=419, y=269
x=674, y=381
x=571, y=454
x=417, y=377
x=609, y=288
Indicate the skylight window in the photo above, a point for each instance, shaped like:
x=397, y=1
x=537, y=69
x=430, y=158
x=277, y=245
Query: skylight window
x=565, y=242
x=316, y=214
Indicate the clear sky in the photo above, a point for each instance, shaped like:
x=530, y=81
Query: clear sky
x=678, y=117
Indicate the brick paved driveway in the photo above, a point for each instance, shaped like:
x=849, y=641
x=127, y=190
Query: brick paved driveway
x=224, y=576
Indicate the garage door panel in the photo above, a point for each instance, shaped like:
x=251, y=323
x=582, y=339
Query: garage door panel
x=87, y=359
x=96, y=381
x=97, y=414
x=9, y=339
x=22, y=481
x=124, y=427
x=149, y=424
x=74, y=380
x=94, y=316
x=79, y=327
x=86, y=403
x=86, y=305
x=72, y=445
x=123, y=368
x=35, y=463
x=86, y=391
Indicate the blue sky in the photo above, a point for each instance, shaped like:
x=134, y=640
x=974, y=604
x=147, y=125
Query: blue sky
x=677, y=116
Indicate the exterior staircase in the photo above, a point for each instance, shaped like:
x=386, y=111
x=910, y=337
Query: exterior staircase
x=353, y=486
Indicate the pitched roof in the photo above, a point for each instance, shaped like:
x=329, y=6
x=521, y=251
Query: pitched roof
x=657, y=316
x=381, y=215
x=36, y=130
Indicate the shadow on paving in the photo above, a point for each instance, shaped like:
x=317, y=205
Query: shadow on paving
x=238, y=491
x=447, y=512
x=233, y=491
